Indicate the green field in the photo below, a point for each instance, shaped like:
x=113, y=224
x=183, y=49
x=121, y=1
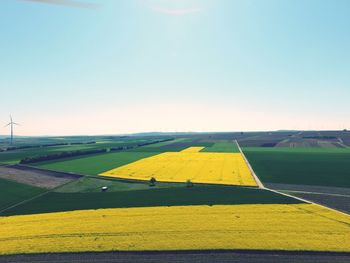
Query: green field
x=12, y=157
x=161, y=144
x=172, y=146
x=308, y=166
x=92, y=184
x=175, y=196
x=222, y=147
x=12, y=193
x=95, y=164
x=157, y=150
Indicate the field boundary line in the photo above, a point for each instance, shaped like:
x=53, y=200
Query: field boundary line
x=314, y=193
x=292, y=196
x=256, y=178
x=260, y=184
x=78, y=176
x=37, y=196
x=306, y=201
x=24, y=201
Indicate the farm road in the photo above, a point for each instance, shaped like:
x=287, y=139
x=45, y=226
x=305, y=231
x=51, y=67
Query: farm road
x=334, y=197
x=182, y=257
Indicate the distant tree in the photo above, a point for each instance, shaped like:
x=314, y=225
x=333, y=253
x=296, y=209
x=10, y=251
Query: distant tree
x=189, y=183
x=152, y=181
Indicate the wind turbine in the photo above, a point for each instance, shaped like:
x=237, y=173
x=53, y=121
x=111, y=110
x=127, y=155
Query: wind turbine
x=11, y=124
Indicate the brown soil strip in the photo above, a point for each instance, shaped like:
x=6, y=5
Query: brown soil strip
x=35, y=177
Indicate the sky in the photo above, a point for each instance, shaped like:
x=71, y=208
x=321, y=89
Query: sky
x=132, y=66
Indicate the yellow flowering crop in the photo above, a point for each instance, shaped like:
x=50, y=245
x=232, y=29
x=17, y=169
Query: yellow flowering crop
x=199, y=167
x=193, y=149
x=280, y=227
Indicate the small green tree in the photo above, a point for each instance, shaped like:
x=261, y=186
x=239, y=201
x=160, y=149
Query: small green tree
x=152, y=181
x=189, y=183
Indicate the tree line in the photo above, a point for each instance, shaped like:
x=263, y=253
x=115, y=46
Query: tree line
x=68, y=154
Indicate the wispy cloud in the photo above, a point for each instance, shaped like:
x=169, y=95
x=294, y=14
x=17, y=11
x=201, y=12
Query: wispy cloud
x=69, y=3
x=176, y=11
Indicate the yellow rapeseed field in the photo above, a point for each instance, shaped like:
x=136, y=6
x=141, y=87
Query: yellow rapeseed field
x=282, y=227
x=199, y=167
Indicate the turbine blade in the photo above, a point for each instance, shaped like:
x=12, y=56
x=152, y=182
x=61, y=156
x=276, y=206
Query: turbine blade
x=68, y=3
x=7, y=124
x=15, y=123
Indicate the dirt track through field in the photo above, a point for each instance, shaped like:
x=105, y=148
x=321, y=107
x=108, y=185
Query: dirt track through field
x=334, y=197
x=256, y=178
x=338, y=202
x=183, y=257
x=331, y=197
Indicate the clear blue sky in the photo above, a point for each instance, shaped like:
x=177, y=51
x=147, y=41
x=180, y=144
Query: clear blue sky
x=172, y=65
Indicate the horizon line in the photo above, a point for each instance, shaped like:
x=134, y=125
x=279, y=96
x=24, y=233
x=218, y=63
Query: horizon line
x=178, y=132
